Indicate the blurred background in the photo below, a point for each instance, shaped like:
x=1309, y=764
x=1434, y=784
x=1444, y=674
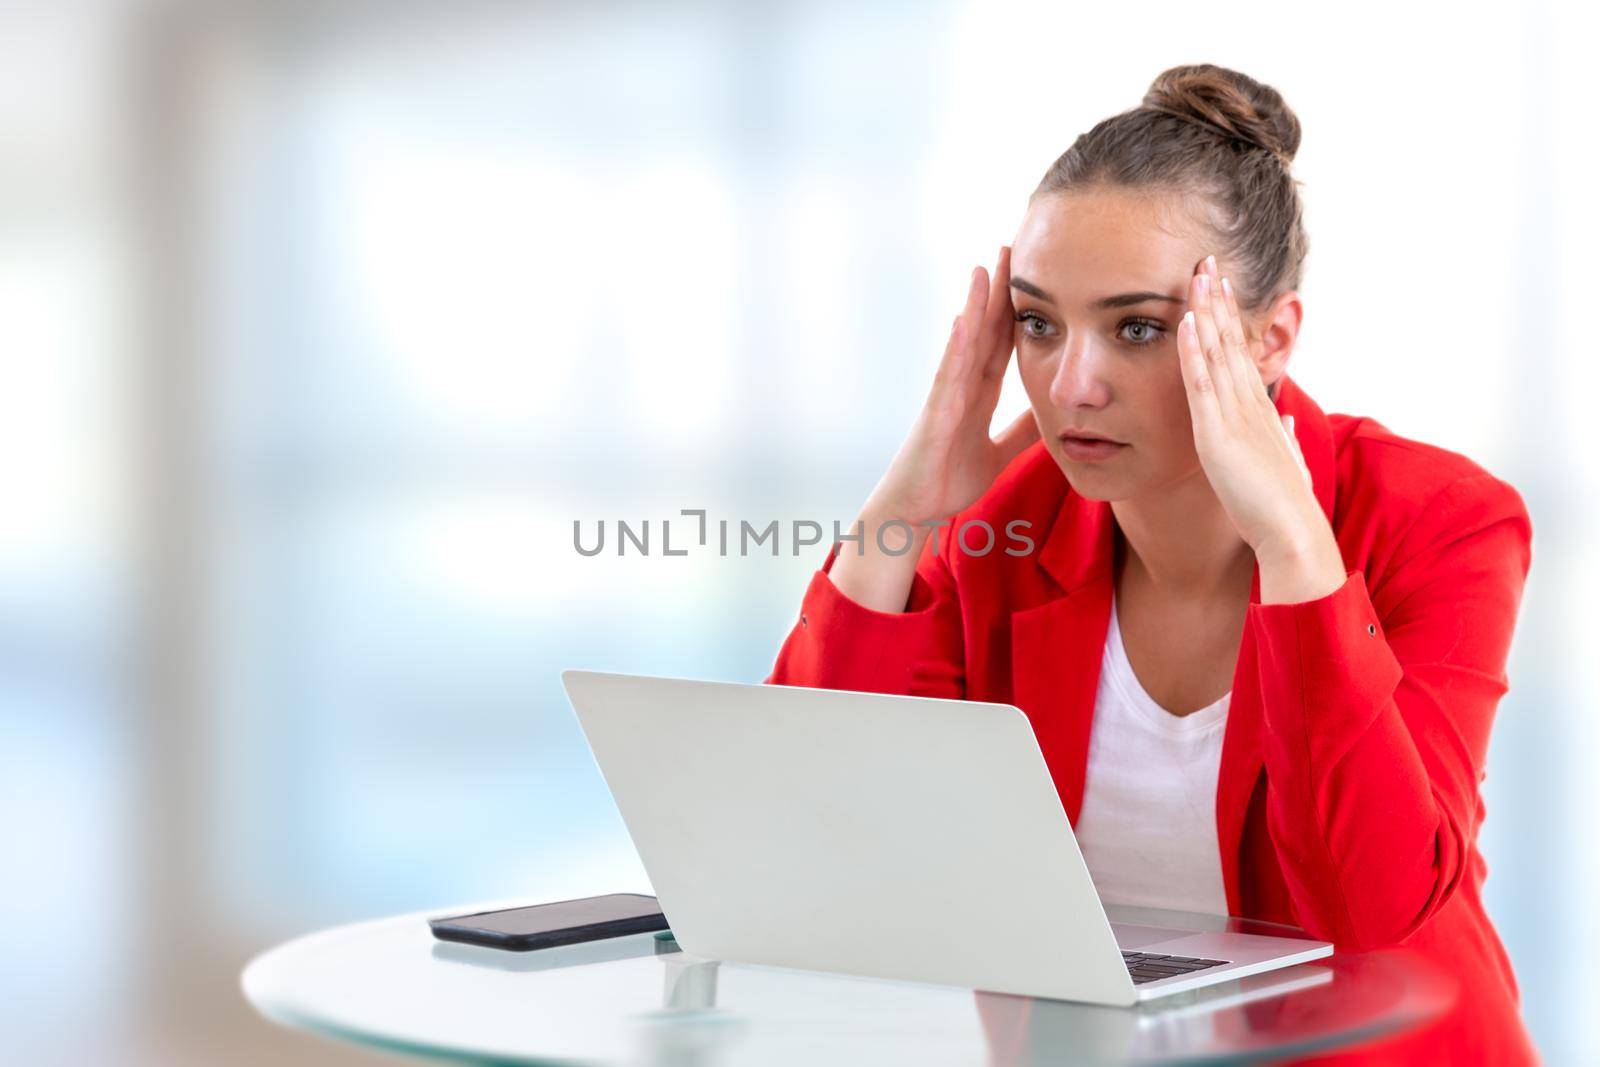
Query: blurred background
x=321, y=324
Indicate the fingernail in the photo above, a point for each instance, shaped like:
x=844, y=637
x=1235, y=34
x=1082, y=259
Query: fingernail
x=1211, y=264
x=1227, y=290
x=1188, y=321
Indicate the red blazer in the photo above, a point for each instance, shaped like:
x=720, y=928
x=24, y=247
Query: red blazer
x=1347, y=800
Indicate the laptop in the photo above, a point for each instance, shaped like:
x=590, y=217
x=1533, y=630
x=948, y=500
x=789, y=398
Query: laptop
x=879, y=835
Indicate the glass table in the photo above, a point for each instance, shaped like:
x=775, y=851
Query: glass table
x=639, y=1000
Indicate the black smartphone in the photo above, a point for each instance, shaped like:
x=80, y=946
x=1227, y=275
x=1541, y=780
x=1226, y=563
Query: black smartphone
x=561, y=922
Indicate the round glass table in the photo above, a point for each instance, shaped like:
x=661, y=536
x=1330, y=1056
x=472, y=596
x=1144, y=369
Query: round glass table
x=639, y=1000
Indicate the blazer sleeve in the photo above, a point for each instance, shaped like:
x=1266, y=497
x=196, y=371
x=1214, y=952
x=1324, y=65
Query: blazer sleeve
x=837, y=643
x=1377, y=721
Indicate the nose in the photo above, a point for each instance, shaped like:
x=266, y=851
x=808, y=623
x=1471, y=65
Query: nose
x=1078, y=381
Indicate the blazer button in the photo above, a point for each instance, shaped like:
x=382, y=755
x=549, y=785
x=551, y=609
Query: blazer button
x=803, y=619
x=1371, y=629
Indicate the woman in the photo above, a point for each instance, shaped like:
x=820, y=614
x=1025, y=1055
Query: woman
x=1261, y=646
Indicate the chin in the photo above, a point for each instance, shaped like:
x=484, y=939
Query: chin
x=1093, y=482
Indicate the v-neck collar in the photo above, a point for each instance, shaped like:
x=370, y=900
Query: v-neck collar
x=1150, y=710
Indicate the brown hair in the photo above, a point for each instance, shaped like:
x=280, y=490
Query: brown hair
x=1222, y=137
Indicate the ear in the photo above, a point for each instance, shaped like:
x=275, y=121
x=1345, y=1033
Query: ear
x=1276, y=330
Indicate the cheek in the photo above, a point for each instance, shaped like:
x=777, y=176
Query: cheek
x=1162, y=396
x=1175, y=397
x=1175, y=410
x=1035, y=368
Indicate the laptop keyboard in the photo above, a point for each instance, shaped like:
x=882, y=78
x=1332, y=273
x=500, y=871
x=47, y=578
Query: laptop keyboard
x=1151, y=967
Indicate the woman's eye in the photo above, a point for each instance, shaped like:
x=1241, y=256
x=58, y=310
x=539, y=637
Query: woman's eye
x=1030, y=319
x=1147, y=332
x=1137, y=332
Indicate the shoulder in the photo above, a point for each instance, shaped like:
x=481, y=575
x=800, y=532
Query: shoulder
x=1365, y=450
x=1397, y=498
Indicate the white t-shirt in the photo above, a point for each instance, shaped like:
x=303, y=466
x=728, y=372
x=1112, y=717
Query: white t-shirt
x=1148, y=826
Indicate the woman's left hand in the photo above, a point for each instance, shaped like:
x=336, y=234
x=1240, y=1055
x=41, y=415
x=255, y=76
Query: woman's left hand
x=1249, y=453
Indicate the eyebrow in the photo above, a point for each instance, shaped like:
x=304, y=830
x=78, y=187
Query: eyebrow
x=1120, y=300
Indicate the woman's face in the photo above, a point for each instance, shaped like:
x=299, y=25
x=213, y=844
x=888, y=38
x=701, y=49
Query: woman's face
x=1099, y=281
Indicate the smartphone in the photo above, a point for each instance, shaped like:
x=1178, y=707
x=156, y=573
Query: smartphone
x=561, y=922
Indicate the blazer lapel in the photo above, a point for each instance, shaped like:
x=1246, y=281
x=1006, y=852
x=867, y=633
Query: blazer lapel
x=1057, y=646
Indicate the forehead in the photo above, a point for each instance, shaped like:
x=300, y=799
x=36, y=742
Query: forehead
x=1092, y=243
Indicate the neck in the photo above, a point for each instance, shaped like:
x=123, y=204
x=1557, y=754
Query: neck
x=1181, y=541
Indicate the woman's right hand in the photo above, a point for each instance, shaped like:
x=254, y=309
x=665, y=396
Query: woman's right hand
x=948, y=460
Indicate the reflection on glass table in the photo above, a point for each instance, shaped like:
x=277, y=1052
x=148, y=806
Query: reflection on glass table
x=639, y=1000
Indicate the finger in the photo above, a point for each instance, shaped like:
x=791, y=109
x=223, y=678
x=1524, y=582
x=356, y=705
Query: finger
x=1234, y=333
x=958, y=349
x=1246, y=375
x=1300, y=453
x=1198, y=385
x=1287, y=422
x=976, y=313
x=1023, y=431
x=1216, y=357
x=1003, y=339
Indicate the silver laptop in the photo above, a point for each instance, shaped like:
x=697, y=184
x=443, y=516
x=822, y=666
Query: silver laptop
x=887, y=836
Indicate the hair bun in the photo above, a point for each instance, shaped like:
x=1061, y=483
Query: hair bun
x=1232, y=104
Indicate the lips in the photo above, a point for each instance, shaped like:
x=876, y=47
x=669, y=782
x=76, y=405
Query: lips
x=1083, y=447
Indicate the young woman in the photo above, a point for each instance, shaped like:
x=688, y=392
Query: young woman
x=1261, y=646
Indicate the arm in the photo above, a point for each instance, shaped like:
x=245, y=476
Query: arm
x=839, y=644
x=1374, y=742
x=886, y=627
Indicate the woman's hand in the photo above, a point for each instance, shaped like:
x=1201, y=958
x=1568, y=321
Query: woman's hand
x=948, y=459
x=1249, y=453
